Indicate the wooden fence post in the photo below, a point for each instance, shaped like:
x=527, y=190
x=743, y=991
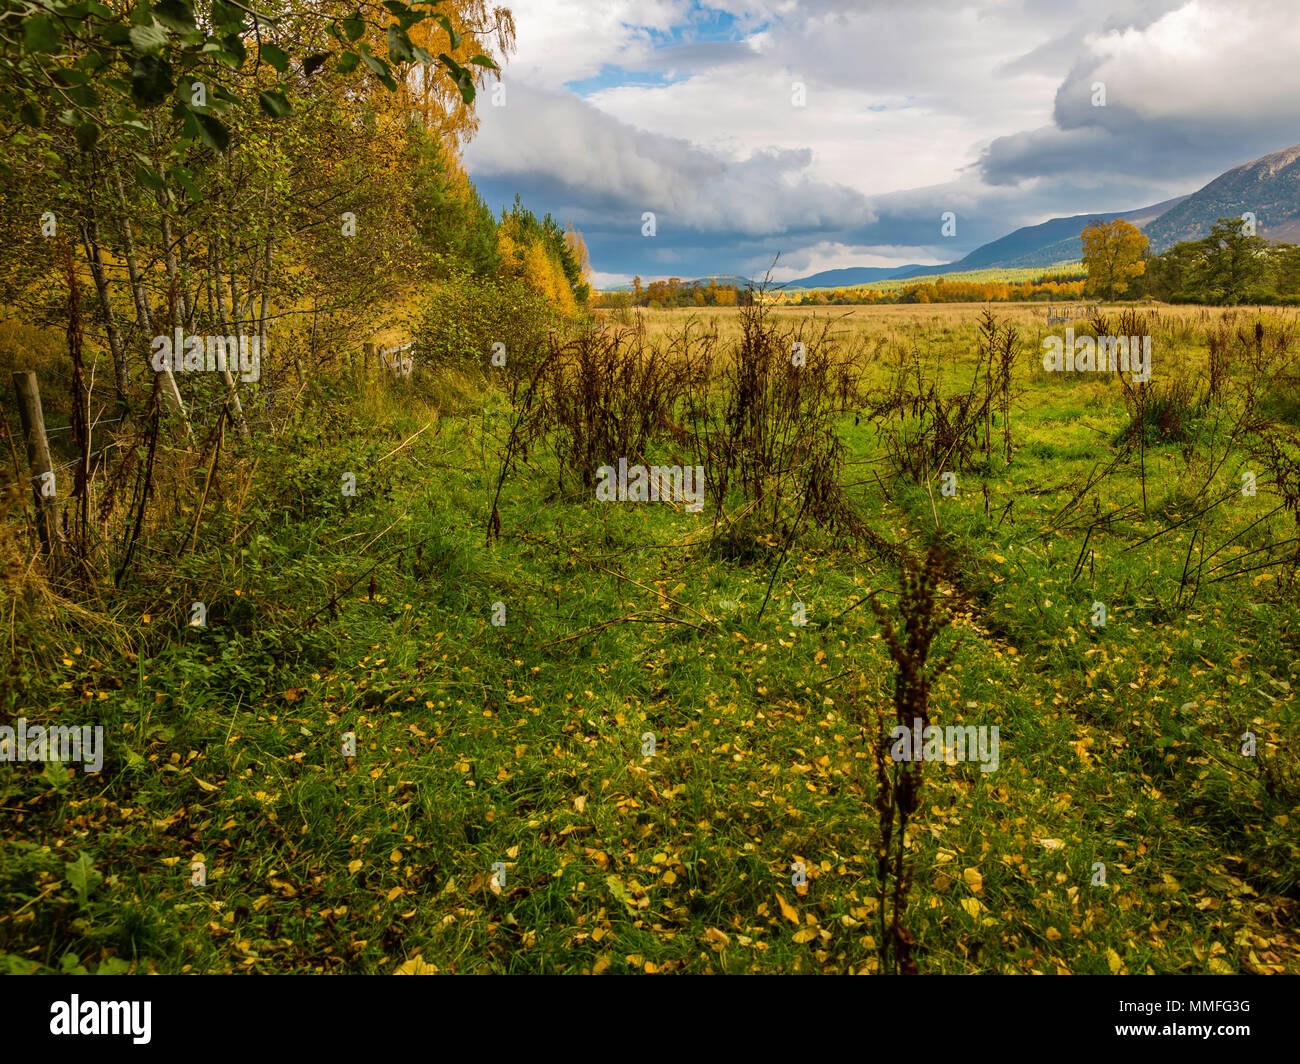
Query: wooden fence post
x=38, y=455
x=369, y=350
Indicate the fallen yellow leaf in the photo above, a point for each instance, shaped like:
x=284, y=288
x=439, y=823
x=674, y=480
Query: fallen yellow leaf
x=787, y=910
x=416, y=965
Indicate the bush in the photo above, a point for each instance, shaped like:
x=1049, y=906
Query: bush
x=466, y=315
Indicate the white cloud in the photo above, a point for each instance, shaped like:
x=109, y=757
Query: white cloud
x=913, y=106
x=569, y=40
x=562, y=141
x=832, y=255
x=1205, y=62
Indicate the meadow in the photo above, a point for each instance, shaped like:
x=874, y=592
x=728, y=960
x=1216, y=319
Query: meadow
x=595, y=737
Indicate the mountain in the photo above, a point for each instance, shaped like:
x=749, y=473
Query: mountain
x=1269, y=188
x=1054, y=241
x=699, y=282
x=856, y=275
x=1046, y=244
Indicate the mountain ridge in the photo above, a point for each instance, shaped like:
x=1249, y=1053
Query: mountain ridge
x=1268, y=187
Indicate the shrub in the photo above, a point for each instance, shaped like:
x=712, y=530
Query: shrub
x=466, y=315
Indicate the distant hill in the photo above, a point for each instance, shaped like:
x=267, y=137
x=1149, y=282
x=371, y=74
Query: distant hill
x=1055, y=240
x=1268, y=187
x=699, y=282
x=1050, y=243
x=856, y=275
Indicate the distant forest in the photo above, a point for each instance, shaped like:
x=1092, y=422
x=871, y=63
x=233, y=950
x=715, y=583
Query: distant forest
x=1226, y=268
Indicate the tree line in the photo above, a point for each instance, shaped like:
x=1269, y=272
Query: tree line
x=1232, y=265
x=204, y=166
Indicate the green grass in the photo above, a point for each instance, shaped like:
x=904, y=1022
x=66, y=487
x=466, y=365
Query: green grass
x=522, y=744
x=1063, y=271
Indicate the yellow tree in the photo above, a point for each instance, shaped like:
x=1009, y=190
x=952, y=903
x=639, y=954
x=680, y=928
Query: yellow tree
x=1113, y=255
x=578, y=246
x=467, y=33
x=466, y=28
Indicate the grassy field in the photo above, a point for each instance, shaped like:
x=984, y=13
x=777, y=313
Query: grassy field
x=998, y=275
x=1122, y=831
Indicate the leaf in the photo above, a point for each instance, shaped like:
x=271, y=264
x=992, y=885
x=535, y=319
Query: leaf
x=617, y=889
x=399, y=45
x=353, y=26
x=460, y=76
x=973, y=879
x=213, y=131
x=453, y=36
x=718, y=938
x=972, y=907
x=376, y=66
x=484, y=61
x=149, y=177
x=151, y=80
x=602, y=963
x=32, y=114
x=234, y=45
x=787, y=910
x=204, y=784
x=55, y=775
x=226, y=15
x=348, y=62
x=178, y=14
x=355, y=866
x=416, y=965
x=274, y=104
x=83, y=96
x=806, y=935
x=275, y=56
x=314, y=62
x=82, y=876
x=1115, y=961
x=148, y=39
x=40, y=35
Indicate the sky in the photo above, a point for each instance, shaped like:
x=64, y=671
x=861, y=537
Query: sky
x=834, y=133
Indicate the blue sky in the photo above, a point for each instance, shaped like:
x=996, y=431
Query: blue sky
x=836, y=133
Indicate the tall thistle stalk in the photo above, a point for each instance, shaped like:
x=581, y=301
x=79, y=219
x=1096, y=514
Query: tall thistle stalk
x=898, y=784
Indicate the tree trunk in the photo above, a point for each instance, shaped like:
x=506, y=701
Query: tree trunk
x=142, y=304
